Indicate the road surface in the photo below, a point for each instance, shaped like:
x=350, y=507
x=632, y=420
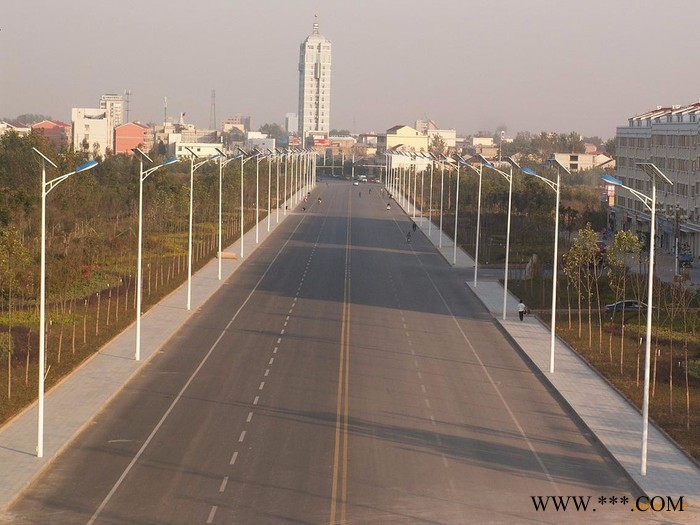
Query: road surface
x=342, y=375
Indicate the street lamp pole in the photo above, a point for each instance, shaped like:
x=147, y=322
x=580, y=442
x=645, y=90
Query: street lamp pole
x=650, y=203
x=193, y=168
x=556, y=186
x=46, y=187
x=286, y=164
x=460, y=161
x=278, y=156
x=430, y=205
x=269, y=188
x=223, y=161
x=479, y=172
x=143, y=175
x=442, y=180
x=244, y=158
x=509, y=177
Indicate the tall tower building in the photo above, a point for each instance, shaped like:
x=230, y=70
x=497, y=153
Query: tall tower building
x=114, y=106
x=314, y=85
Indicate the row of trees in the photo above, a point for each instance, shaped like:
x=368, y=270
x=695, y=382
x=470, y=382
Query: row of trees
x=91, y=249
x=594, y=279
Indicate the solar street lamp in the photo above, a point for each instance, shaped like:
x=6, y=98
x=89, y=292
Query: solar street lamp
x=656, y=176
x=143, y=175
x=46, y=187
x=556, y=186
x=193, y=168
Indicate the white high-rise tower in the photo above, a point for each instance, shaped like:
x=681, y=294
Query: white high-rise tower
x=314, y=85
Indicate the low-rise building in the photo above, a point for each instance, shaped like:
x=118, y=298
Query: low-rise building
x=201, y=149
x=92, y=130
x=583, y=161
x=57, y=132
x=410, y=138
x=132, y=135
x=6, y=127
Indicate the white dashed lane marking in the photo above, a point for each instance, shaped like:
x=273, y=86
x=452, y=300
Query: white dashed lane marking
x=224, y=482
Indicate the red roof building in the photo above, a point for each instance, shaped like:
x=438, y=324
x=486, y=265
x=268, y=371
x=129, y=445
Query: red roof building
x=132, y=135
x=59, y=133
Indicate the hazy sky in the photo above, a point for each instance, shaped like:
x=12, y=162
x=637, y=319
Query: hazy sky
x=555, y=65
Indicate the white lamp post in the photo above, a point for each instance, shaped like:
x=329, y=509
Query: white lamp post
x=193, y=168
x=269, y=187
x=442, y=191
x=430, y=205
x=223, y=161
x=460, y=161
x=244, y=158
x=286, y=164
x=556, y=186
x=278, y=156
x=415, y=183
x=650, y=203
x=46, y=187
x=509, y=177
x=143, y=175
x=479, y=172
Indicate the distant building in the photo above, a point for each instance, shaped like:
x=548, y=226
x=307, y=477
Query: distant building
x=256, y=139
x=57, y=132
x=482, y=141
x=239, y=122
x=408, y=138
x=291, y=123
x=201, y=149
x=669, y=138
x=6, y=127
x=132, y=135
x=583, y=161
x=448, y=136
x=342, y=145
x=314, y=85
x=93, y=128
x=114, y=106
x=426, y=125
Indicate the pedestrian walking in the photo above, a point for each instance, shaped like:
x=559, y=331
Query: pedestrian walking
x=408, y=238
x=521, y=309
x=415, y=227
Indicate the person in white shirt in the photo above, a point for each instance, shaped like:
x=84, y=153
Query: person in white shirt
x=521, y=309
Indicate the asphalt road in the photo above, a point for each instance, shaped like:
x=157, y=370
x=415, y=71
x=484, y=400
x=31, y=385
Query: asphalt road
x=343, y=375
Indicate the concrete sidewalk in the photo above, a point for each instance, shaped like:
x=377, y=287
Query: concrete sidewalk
x=74, y=402
x=615, y=422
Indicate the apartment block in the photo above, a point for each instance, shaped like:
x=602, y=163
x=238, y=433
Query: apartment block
x=668, y=137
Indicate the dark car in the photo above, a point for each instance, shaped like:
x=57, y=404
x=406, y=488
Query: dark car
x=626, y=306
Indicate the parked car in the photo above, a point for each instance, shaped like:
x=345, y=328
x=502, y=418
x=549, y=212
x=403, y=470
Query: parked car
x=628, y=305
x=685, y=260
